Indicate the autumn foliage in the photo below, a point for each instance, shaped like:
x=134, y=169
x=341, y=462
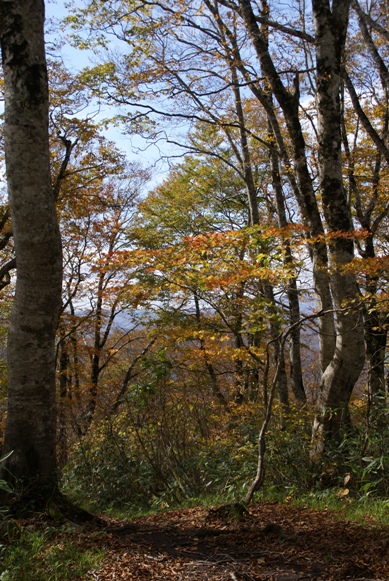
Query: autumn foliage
x=244, y=293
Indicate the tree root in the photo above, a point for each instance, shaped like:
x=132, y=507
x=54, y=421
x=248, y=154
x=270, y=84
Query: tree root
x=36, y=499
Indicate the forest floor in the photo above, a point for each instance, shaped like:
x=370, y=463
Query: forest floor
x=270, y=542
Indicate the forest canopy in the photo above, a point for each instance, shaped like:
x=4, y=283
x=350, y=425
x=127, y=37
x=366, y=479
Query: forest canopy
x=234, y=312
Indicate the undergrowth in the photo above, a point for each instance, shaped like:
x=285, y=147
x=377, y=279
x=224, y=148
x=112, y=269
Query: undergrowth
x=48, y=554
x=127, y=470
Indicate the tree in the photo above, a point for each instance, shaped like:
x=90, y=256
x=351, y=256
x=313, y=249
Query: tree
x=31, y=422
x=365, y=135
x=340, y=376
x=98, y=326
x=206, y=270
x=213, y=92
x=205, y=57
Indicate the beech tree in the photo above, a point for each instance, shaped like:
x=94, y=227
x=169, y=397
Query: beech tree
x=341, y=374
x=224, y=67
x=91, y=337
x=365, y=133
x=31, y=419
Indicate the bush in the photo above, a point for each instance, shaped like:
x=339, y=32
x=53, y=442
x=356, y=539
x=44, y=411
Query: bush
x=165, y=451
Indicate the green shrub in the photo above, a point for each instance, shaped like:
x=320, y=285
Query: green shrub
x=163, y=456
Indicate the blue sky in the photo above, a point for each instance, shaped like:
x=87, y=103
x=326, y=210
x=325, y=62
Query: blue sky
x=55, y=8
x=75, y=59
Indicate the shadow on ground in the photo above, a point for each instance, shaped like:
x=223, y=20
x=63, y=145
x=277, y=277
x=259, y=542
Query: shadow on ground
x=269, y=542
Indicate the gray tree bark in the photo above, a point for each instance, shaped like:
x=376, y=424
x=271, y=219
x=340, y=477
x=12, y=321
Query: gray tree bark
x=369, y=214
x=289, y=104
x=31, y=417
x=342, y=349
x=341, y=374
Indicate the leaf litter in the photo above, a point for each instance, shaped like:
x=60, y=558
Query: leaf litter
x=266, y=542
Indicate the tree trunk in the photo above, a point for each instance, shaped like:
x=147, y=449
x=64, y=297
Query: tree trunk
x=247, y=172
x=341, y=374
x=216, y=391
x=296, y=372
x=63, y=397
x=31, y=420
x=289, y=104
x=376, y=338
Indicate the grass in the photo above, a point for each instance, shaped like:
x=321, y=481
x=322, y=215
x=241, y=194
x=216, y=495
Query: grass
x=359, y=509
x=55, y=554
x=363, y=511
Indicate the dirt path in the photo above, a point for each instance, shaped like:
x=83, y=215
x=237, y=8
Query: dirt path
x=271, y=542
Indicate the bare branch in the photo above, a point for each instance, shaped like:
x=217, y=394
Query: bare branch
x=5, y=277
